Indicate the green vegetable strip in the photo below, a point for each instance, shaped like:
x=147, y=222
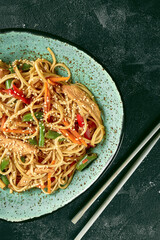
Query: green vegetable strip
x=5, y=179
x=28, y=117
x=85, y=161
x=61, y=140
x=32, y=141
x=41, y=134
x=11, y=70
x=8, y=83
x=4, y=163
x=52, y=134
x=23, y=159
x=26, y=67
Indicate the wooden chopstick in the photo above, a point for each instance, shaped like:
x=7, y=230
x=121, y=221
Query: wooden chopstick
x=76, y=218
x=124, y=179
x=118, y=187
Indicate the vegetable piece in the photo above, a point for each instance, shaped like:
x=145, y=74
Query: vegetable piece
x=90, y=130
x=18, y=131
x=33, y=141
x=28, y=117
x=49, y=179
x=2, y=185
x=52, y=83
x=23, y=159
x=61, y=140
x=17, y=90
x=69, y=135
x=8, y=83
x=4, y=163
x=80, y=120
x=3, y=121
x=85, y=161
x=58, y=79
x=5, y=180
x=26, y=66
x=47, y=102
x=11, y=70
x=52, y=134
x=16, y=95
x=49, y=183
x=75, y=133
x=70, y=174
x=41, y=134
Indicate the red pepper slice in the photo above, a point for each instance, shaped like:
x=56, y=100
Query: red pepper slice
x=17, y=95
x=90, y=130
x=80, y=120
x=52, y=179
x=17, y=90
x=70, y=174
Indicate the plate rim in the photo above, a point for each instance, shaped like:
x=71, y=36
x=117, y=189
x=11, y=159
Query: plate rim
x=59, y=38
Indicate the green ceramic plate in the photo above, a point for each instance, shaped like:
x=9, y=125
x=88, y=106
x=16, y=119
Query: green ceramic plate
x=31, y=45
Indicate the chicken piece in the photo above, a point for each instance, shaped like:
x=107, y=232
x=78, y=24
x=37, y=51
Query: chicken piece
x=17, y=146
x=3, y=72
x=82, y=99
x=24, y=180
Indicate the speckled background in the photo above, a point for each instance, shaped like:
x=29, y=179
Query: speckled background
x=124, y=36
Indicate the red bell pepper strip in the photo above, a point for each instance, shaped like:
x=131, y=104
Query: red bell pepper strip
x=90, y=128
x=80, y=120
x=17, y=95
x=17, y=90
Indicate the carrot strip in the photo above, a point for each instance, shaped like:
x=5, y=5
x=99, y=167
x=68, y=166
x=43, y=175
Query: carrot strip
x=75, y=133
x=47, y=99
x=4, y=118
x=58, y=79
x=49, y=183
x=19, y=131
x=49, y=179
x=52, y=83
x=69, y=135
x=84, y=161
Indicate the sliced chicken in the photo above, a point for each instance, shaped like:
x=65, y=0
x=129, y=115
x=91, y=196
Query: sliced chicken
x=82, y=99
x=17, y=146
x=24, y=180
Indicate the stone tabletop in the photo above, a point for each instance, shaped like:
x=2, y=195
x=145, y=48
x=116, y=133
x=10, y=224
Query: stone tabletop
x=125, y=37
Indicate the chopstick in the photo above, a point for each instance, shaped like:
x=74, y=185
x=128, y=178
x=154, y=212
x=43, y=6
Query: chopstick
x=118, y=187
x=76, y=218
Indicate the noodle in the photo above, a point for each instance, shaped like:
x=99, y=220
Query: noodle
x=50, y=163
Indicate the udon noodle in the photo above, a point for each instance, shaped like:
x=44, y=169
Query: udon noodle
x=47, y=125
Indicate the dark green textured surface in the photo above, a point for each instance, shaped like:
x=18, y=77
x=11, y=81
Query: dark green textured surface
x=124, y=36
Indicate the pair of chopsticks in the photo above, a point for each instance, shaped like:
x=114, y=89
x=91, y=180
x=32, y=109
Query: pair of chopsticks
x=156, y=133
